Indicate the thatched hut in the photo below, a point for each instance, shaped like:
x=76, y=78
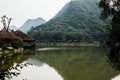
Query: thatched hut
x=6, y=37
x=24, y=37
x=12, y=38
x=4, y=34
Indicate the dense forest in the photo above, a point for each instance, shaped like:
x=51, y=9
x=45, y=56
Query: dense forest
x=78, y=21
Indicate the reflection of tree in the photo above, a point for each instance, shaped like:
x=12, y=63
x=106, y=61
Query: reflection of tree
x=84, y=63
x=114, y=57
x=112, y=8
x=8, y=73
x=8, y=69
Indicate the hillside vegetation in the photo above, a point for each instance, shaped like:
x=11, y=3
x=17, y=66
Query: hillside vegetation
x=77, y=21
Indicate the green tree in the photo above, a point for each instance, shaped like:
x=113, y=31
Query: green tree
x=18, y=43
x=112, y=8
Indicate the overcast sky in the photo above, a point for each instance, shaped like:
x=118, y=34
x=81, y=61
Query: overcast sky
x=21, y=10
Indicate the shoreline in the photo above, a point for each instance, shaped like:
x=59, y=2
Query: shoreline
x=66, y=44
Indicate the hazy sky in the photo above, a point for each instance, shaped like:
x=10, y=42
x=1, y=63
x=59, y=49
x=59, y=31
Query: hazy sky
x=21, y=10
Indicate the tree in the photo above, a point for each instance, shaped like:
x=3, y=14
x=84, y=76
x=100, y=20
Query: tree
x=6, y=22
x=112, y=8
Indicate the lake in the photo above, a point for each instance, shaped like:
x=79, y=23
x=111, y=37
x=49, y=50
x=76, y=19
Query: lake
x=60, y=63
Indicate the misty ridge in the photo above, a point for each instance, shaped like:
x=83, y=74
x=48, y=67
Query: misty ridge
x=30, y=23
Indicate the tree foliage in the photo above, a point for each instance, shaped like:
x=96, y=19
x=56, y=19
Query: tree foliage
x=112, y=8
x=18, y=43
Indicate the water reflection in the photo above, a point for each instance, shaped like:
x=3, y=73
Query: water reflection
x=48, y=49
x=35, y=62
x=66, y=63
x=8, y=69
x=23, y=66
x=116, y=77
x=114, y=57
x=40, y=71
x=83, y=63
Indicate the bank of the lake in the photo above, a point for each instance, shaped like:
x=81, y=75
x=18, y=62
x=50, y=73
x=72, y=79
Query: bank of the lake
x=66, y=44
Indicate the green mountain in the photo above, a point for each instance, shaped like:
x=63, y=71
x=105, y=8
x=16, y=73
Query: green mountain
x=77, y=21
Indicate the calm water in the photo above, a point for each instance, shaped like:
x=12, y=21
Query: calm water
x=71, y=63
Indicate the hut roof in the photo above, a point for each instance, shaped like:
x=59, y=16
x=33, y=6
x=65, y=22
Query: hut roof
x=23, y=36
x=4, y=34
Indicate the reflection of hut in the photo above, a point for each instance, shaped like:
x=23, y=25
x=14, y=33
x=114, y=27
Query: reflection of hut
x=25, y=37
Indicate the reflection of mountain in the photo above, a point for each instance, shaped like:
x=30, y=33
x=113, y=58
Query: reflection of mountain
x=34, y=61
x=44, y=72
x=79, y=64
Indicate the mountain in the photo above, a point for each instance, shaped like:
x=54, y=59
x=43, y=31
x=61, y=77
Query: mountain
x=13, y=27
x=31, y=23
x=77, y=21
